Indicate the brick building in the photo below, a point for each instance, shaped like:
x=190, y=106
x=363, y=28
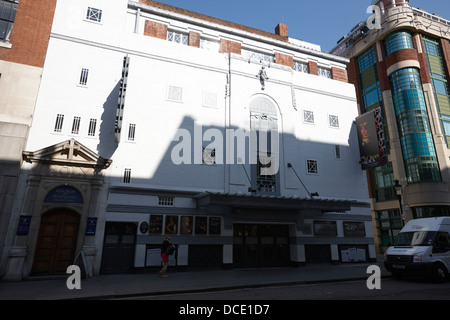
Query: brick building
x=24, y=34
x=404, y=69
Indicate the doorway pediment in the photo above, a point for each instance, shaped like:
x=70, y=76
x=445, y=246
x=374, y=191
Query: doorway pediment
x=68, y=153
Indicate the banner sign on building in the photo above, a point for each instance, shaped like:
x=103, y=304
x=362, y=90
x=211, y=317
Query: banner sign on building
x=24, y=225
x=121, y=100
x=91, y=226
x=372, y=142
x=64, y=194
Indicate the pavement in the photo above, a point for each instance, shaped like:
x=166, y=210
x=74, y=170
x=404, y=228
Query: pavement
x=102, y=287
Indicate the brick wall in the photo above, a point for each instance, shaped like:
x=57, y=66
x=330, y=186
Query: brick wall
x=155, y=29
x=312, y=66
x=281, y=30
x=284, y=59
x=227, y=46
x=194, y=39
x=445, y=45
x=424, y=69
x=401, y=55
x=30, y=33
x=382, y=69
x=339, y=74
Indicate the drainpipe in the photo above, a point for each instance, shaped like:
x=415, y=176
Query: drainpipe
x=138, y=17
x=227, y=126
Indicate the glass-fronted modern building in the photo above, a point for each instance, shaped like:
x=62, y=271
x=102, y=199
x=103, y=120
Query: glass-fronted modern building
x=404, y=68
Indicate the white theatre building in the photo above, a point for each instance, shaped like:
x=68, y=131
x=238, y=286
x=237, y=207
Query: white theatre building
x=148, y=122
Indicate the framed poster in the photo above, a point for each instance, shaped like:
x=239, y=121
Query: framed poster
x=171, y=226
x=354, y=229
x=186, y=225
x=201, y=225
x=325, y=228
x=214, y=225
x=371, y=137
x=156, y=224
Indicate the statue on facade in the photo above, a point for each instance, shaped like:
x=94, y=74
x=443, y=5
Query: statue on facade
x=262, y=77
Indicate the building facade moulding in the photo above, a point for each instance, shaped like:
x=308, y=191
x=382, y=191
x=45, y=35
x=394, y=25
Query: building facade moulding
x=68, y=153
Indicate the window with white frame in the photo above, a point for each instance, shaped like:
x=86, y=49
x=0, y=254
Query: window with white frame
x=176, y=37
x=127, y=175
x=92, y=127
x=323, y=72
x=311, y=167
x=131, y=131
x=76, y=125
x=165, y=201
x=333, y=121
x=94, y=14
x=308, y=116
x=301, y=67
x=59, y=123
x=84, y=77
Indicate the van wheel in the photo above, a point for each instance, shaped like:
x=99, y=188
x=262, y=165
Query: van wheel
x=439, y=272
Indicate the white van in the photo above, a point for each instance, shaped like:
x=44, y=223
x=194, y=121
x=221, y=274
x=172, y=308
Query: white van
x=421, y=248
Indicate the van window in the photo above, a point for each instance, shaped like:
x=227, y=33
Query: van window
x=442, y=242
x=415, y=238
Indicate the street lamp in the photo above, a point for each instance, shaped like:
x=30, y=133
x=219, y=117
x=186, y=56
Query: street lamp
x=398, y=189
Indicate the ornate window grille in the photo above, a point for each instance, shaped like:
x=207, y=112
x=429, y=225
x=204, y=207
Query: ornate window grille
x=177, y=38
x=311, y=166
x=94, y=14
x=333, y=121
x=59, y=123
x=92, y=127
x=308, y=116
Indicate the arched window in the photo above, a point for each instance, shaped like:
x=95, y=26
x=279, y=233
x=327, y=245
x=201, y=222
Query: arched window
x=264, y=121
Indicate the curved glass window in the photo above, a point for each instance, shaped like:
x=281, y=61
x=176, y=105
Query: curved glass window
x=416, y=139
x=398, y=41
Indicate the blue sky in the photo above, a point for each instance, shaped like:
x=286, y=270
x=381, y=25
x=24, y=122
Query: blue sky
x=321, y=22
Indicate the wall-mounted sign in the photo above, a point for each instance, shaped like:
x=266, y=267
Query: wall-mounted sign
x=64, y=195
x=372, y=141
x=143, y=227
x=91, y=226
x=24, y=225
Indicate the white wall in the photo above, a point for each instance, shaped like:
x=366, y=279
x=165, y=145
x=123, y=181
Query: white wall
x=157, y=64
